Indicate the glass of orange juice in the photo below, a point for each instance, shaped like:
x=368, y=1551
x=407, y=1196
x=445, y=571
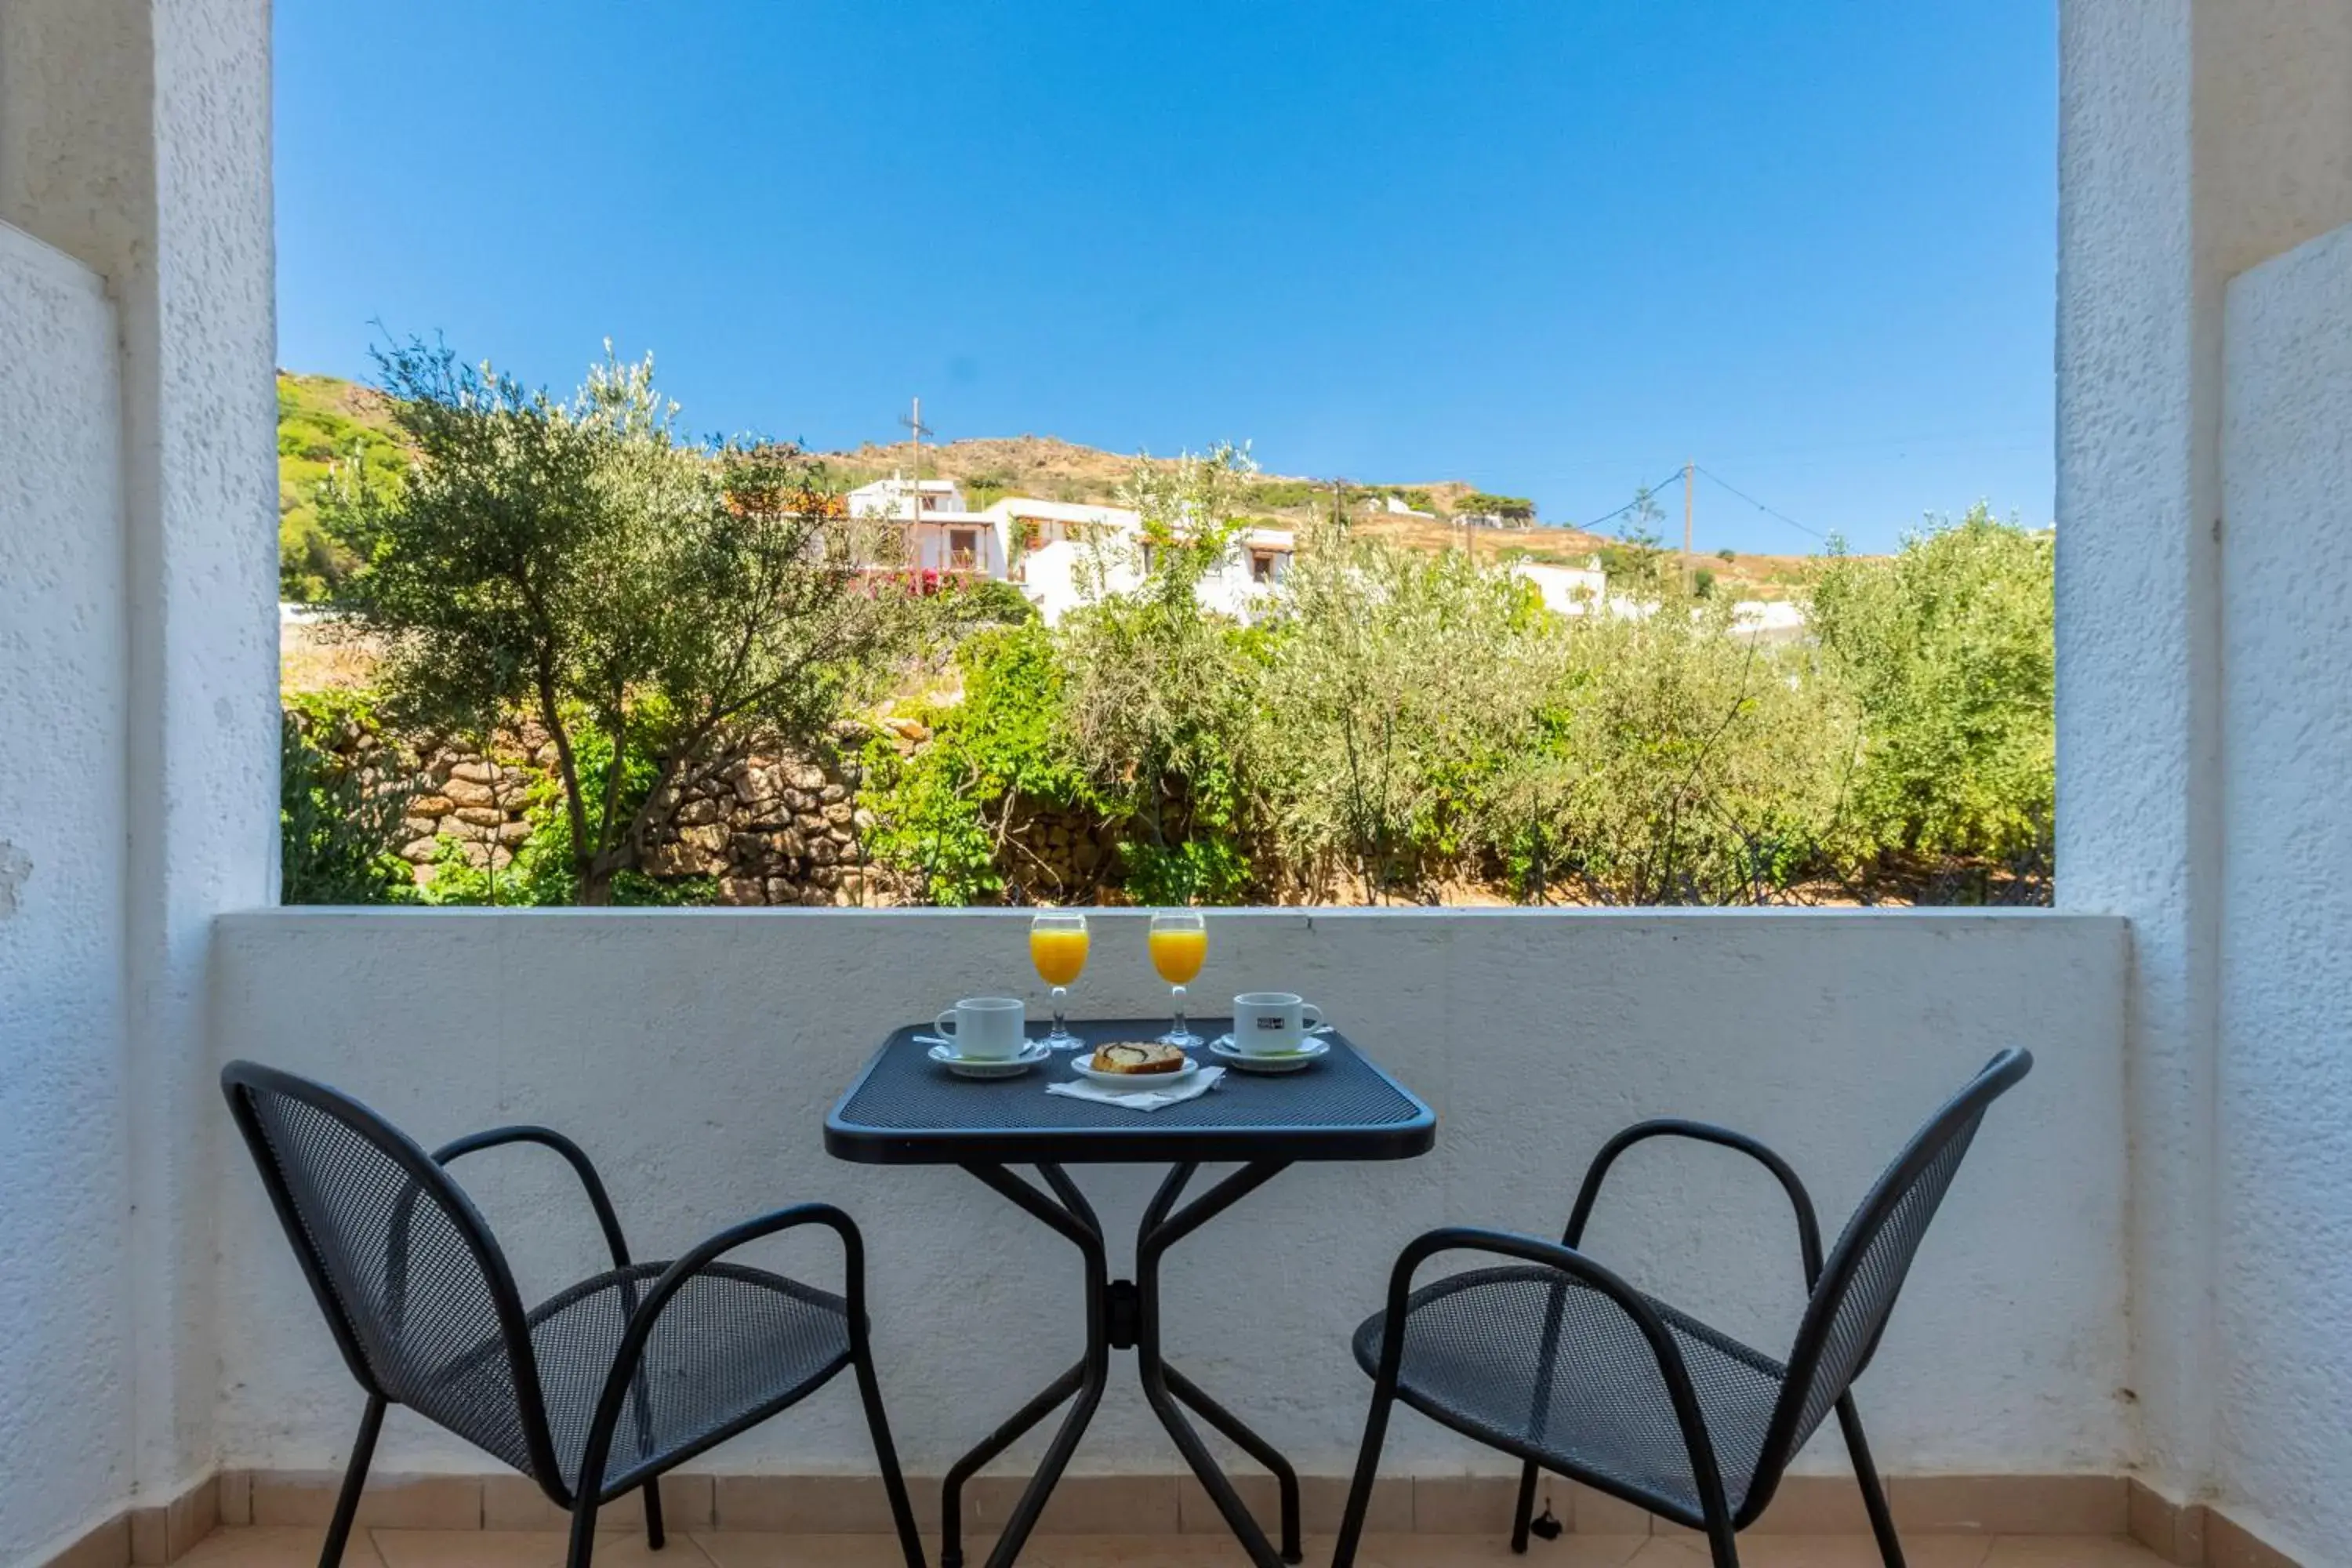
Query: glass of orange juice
x=1180, y=945
x=1057, y=946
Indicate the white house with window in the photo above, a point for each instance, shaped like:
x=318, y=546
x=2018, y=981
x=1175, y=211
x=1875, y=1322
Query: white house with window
x=940, y=531
x=1108, y=555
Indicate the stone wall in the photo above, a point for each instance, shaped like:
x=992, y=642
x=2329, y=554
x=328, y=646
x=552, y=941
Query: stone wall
x=770, y=829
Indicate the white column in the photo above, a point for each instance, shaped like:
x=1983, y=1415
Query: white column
x=2197, y=138
x=135, y=135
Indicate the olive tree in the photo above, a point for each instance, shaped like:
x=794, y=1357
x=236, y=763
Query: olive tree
x=661, y=606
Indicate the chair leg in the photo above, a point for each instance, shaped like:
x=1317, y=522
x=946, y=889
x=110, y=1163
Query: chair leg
x=1368, y=1466
x=885, y=1453
x=653, y=1536
x=1524, y=1515
x=584, y=1531
x=1874, y=1495
x=347, y=1506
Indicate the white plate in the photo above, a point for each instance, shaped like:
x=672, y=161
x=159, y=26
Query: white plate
x=1307, y=1055
x=1032, y=1053
x=1132, y=1080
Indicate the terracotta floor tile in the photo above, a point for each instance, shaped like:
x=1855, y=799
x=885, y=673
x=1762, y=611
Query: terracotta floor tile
x=1138, y=1551
x=1571, y=1551
x=527, y=1549
x=1818, y=1551
x=2068, y=1552
x=275, y=1546
x=760, y=1549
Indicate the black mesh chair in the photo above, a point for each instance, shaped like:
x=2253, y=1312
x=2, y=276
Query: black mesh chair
x=596, y=1392
x=1554, y=1359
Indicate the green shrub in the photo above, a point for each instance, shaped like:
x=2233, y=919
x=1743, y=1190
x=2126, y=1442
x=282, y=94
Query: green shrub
x=1949, y=649
x=941, y=814
x=338, y=827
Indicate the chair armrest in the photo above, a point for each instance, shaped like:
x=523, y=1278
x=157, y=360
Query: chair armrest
x=1584, y=1270
x=547, y=1137
x=1809, y=1227
x=674, y=1279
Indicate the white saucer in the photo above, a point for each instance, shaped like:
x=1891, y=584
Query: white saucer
x=1132, y=1080
x=1307, y=1055
x=1032, y=1053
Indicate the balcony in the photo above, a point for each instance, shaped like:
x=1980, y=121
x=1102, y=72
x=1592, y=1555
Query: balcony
x=696, y=1057
x=2125, y=1340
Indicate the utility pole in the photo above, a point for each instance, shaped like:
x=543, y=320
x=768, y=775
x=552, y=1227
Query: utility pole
x=914, y=423
x=1690, y=469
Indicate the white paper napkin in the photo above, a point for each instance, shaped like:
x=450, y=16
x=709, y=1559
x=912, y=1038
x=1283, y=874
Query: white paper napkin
x=1199, y=1084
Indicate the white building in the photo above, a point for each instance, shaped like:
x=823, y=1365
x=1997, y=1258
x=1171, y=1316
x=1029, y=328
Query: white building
x=1566, y=590
x=939, y=531
x=1108, y=556
x=898, y=496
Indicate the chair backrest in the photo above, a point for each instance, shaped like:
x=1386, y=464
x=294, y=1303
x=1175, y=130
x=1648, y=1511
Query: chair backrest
x=1865, y=1271
x=418, y=1295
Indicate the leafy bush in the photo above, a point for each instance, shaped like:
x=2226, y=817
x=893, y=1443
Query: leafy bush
x=1395, y=681
x=1510, y=508
x=943, y=814
x=1406, y=723
x=338, y=820
x=1950, y=650
x=986, y=602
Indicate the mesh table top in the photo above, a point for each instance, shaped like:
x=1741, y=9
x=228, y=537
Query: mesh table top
x=906, y=1110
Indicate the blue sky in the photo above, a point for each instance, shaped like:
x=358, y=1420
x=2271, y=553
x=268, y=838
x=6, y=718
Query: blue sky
x=1551, y=248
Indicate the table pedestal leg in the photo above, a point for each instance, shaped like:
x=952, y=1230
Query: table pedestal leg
x=1163, y=1386
x=1075, y=1218
x=1123, y=1315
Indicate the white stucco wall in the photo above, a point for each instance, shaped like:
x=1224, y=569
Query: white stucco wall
x=65, y=1341
x=134, y=138
x=695, y=1055
x=2198, y=137
x=2285, y=1273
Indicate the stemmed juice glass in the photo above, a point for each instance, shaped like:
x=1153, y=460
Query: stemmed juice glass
x=1057, y=946
x=1180, y=945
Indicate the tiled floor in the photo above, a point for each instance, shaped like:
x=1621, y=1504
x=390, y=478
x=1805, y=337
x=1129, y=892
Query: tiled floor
x=298, y=1548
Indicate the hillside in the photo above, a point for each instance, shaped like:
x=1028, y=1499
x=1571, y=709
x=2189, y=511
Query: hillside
x=322, y=420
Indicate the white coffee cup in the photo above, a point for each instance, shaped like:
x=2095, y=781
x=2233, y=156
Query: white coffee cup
x=1273, y=1023
x=987, y=1028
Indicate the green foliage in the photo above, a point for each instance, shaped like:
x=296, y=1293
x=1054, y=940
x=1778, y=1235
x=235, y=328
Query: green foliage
x=1396, y=680
x=1950, y=650
x=1409, y=721
x=942, y=814
x=984, y=602
x=338, y=825
x=1131, y=714
x=1679, y=764
x=1160, y=695
x=1289, y=495
x=1510, y=508
x=654, y=603
x=328, y=432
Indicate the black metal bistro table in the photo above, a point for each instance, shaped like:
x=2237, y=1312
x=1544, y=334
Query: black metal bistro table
x=904, y=1110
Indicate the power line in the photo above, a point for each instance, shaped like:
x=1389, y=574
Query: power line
x=1760, y=506
x=1645, y=492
